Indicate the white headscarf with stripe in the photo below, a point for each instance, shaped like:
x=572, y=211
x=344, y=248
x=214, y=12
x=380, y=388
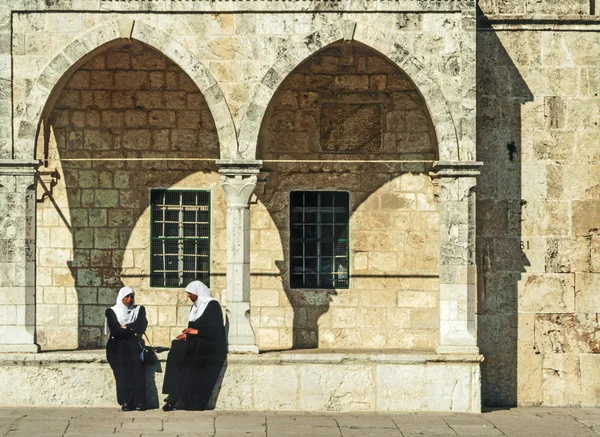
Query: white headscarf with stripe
x=204, y=297
x=125, y=315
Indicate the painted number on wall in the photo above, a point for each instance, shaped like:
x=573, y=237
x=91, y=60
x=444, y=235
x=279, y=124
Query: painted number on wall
x=524, y=245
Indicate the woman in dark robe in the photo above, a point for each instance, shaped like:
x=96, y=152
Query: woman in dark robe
x=197, y=355
x=126, y=324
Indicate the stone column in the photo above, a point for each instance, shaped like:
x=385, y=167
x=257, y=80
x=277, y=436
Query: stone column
x=458, y=272
x=238, y=179
x=17, y=260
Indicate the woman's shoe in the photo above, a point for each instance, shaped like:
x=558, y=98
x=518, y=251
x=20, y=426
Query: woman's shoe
x=140, y=408
x=167, y=399
x=125, y=407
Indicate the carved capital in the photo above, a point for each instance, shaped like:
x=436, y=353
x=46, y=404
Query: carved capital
x=238, y=184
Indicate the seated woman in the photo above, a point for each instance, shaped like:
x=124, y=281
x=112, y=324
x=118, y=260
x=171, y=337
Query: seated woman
x=127, y=323
x=197, y=355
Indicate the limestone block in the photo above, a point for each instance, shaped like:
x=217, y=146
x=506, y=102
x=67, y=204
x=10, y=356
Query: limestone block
x=399, y=391
x=93, y=315
x=568, y=255
x=547, y=294
x=417, y=299
x=561, y=384
x=167, y=316
x=587, y=299
x=595, y=254
x=68, y=315
x=345, y=298
x=581, y=180
x=398, y=318
x=585, y=216
x=60, y=237
x=424, y=318
x=416, y=339
x=382, y=261
x=590, y=383
x=343, y=317
x=374, y=297
x=284, y=398
x=330, y=388
x=272, y=317
x=236, y=391
x=566, y=333
x=548, y=219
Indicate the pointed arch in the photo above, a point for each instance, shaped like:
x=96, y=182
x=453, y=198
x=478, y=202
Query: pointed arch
x=378, y=40
x=77, y=52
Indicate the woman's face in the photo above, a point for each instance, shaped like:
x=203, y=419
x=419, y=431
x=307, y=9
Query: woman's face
x=128, y=300
x=192, y=297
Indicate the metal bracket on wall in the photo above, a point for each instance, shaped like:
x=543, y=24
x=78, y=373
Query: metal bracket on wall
x=47, y=180
x=263, y=178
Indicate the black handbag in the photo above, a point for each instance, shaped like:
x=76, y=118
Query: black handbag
x=148, y=353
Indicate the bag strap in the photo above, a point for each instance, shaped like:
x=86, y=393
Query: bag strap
x=148, y=340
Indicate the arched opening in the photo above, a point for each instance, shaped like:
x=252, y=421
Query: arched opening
x=346, y=120
x=121, y=125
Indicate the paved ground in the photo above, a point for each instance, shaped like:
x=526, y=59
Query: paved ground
x=92, y=422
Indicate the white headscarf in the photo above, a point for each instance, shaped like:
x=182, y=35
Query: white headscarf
x=204, y=297
x=125, y=315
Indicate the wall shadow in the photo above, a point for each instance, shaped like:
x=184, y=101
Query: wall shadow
x=501, y=92
x=126, y=102
x=347, y=102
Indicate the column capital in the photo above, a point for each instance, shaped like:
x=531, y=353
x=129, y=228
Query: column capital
x=457, y=169
x=238, y=180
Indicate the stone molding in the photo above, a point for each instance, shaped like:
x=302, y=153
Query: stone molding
x=86, y=45
x=381, y=41
x=238, y=184
x=19, y=167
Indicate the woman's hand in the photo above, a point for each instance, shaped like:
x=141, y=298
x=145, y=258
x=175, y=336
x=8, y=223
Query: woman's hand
x=190, y=331
x=181, y=336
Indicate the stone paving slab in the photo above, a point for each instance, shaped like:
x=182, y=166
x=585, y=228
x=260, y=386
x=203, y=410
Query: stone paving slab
x=100, y=422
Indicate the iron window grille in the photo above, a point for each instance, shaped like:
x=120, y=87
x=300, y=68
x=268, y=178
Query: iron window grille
x=180, y=239
x=319, y=239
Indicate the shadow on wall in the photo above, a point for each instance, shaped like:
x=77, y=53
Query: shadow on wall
x=127, y=101
x=349, y=102
x=501, y=91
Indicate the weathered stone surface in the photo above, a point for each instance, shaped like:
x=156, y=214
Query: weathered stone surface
x=550, y=293
x=314, y=382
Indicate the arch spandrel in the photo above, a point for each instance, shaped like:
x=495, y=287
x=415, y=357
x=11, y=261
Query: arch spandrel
x=376, y=39
x=99, y=38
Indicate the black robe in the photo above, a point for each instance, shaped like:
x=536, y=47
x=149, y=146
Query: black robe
x=194, y=363
x=123, y=354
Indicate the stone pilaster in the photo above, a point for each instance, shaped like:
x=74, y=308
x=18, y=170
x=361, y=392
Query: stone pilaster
x=238, y=180
x=17, y=263
x=458, y=272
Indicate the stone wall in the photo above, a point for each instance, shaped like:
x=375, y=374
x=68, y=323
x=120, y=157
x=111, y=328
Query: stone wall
x=93, y=233
x=538, y=212
x=348, y=103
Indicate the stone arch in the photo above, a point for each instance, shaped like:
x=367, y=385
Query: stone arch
x=77, y=52
x=376, y=39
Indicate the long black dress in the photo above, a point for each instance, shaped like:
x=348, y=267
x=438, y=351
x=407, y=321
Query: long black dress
x=123, y=354
x=194, y=363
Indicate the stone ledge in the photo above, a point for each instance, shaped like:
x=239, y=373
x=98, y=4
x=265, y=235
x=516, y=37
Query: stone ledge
x=314, y=380
x=307, y=356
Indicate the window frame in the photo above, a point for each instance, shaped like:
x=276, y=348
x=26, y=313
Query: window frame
x=292, y=240
x=206, y=280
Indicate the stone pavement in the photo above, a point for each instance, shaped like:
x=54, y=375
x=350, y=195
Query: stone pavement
x=93, y=422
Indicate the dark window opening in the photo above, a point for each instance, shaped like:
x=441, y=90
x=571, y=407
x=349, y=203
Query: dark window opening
x=180, y=239
x=319, y=239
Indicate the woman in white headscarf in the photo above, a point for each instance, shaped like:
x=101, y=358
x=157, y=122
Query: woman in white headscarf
x=197, y=354
x=126, y=324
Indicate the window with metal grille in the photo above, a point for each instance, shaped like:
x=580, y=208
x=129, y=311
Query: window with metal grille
x=319, y=239
x=180, y=240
